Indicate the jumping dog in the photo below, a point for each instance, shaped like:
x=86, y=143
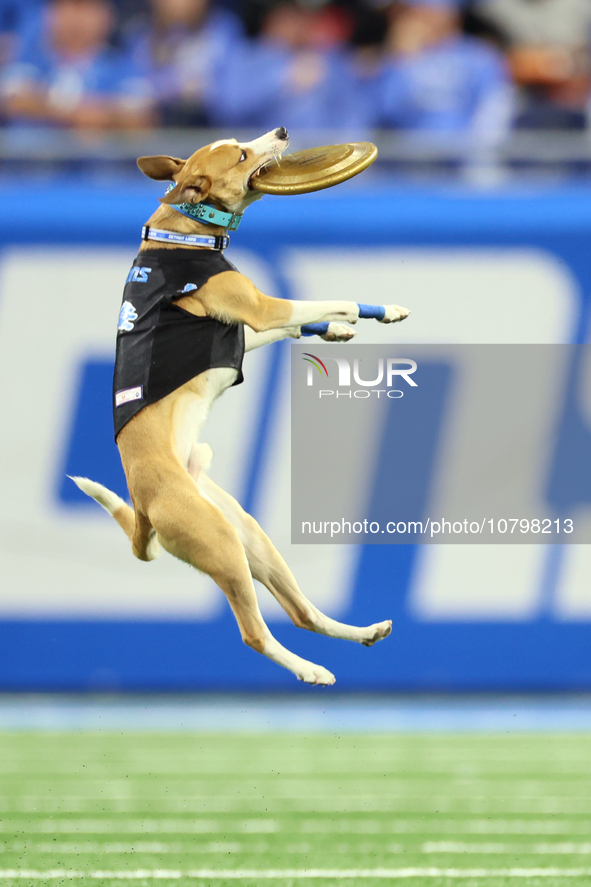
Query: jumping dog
x=187, y=318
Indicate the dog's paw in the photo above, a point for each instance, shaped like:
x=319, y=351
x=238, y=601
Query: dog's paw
x=315, y=674
x=394, y=313
x=294, y=332
x=377, y=632
x=338, y=332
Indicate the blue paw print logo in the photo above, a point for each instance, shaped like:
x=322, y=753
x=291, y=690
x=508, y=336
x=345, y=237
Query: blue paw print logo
x=127, y=316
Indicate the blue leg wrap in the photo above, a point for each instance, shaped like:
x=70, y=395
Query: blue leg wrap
x=314, y=329
x=375, y=311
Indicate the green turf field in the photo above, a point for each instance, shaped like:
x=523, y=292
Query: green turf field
x=285, y=809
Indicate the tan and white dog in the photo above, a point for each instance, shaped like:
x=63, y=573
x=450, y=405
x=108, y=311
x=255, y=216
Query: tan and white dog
x=175, y=503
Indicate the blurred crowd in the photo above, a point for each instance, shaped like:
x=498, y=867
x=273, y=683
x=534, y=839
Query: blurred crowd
x=468, y=67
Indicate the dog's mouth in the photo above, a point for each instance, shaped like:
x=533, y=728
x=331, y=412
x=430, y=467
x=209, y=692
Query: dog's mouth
x=266, y=165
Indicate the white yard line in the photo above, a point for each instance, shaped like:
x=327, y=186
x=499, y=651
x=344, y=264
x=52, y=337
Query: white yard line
x=82, y=847
x=365, y=826
x=315, y=807
x=320, y=874
x=547, y=849
x=139, y=826
x=262, y=847
x=394, y=807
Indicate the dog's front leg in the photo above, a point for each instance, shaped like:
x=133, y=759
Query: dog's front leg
x=233, y=298
x=254, y=340
x=330, y=332
x=304, y=313
x=334, y=311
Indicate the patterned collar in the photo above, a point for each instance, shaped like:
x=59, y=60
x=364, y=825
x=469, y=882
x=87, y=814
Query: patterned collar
x=204, y=241
x=207, y=214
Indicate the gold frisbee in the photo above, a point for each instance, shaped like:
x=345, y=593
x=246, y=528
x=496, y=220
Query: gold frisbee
x=314, y=169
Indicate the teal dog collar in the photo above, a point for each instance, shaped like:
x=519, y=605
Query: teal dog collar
x=207, y=214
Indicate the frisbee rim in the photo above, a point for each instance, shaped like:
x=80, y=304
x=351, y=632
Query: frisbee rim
x=327, y=181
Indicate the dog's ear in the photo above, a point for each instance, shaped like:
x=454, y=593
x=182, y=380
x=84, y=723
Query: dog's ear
x=189, y=192
x=161, y=167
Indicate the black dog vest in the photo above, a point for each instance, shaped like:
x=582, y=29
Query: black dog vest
x=160, y=346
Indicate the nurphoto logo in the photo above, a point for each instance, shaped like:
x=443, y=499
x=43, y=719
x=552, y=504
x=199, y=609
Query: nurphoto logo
x=387, y=371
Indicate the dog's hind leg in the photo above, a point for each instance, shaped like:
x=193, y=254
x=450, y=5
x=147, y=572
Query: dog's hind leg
x=135, y=525
x=144, y=542
x=196, y=531
x=267, y=565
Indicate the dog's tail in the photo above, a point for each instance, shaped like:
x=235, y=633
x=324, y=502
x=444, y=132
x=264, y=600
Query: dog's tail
x=117, y=508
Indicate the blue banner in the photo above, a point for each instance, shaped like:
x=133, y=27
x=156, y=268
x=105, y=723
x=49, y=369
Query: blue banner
x=78, y=612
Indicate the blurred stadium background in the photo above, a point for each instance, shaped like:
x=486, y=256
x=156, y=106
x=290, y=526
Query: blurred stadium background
x=477, y=216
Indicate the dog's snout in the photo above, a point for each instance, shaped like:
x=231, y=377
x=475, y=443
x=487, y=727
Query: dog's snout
x=282, y=133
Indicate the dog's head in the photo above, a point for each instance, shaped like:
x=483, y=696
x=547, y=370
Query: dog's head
x=220, y=172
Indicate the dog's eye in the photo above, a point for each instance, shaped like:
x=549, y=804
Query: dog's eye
x=242, y=157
